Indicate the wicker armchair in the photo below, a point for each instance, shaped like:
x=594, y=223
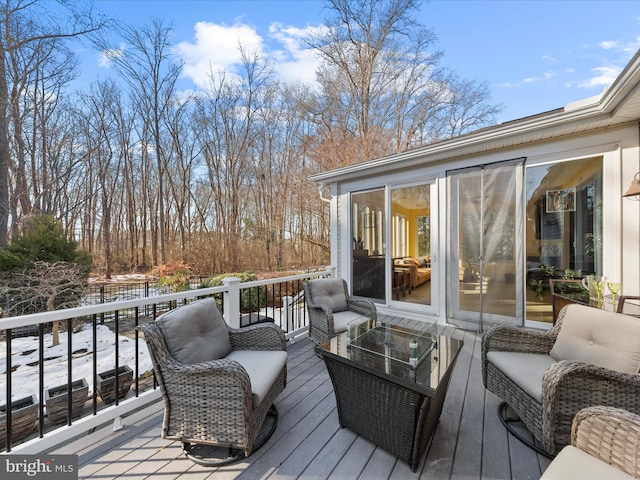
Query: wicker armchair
x=330, y=307
x=218, y=383
x=589, y=357
x=605, y=444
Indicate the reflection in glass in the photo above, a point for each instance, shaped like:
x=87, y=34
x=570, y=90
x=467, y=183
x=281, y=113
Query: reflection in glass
x=563, y=228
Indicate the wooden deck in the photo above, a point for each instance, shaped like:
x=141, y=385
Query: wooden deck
x=469, y=443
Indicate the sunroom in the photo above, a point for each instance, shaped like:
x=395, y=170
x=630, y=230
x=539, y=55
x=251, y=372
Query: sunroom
x=470, y=230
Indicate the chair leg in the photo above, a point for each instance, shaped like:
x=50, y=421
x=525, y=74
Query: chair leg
x=508, y=422
x=211, y=456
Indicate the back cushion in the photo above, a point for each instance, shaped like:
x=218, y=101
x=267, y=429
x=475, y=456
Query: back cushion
x=329, y=292
x=595, y=336
x=195, y=332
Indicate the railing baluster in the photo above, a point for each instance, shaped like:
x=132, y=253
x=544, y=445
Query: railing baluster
x=41, y=379
x=136, y=354
x=116, y=329
x=8, y=407
x=69, y=373
x=94, y=362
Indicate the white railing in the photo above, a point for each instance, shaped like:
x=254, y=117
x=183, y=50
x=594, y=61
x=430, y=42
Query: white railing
x=276, y=300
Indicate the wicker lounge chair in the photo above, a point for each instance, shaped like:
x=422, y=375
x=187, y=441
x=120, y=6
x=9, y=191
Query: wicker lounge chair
x=330, y=307
x=605, y=444
x=589, y=357
x=218, y=383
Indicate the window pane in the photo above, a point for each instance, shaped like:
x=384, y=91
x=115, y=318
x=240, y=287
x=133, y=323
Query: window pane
x=411, y=244
x=563, y=228
x=367, y=218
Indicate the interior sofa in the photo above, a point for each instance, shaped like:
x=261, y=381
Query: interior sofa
x=419, y=269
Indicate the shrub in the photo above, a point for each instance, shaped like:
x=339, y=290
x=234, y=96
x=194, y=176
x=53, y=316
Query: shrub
x=41, y=239
x=250, y=298
x=174, y=276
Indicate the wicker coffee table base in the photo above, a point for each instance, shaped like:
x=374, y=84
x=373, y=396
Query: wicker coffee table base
x=394, y=417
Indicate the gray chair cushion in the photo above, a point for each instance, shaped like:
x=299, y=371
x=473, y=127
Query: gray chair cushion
x=262, y=366
x=523, y=369
x=329, y=292
x=573, y=463
x=597, y=337
x=196, y=332
x=341, y=320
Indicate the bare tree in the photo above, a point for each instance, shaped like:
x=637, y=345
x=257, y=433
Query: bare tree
x=102, y=122
x=229, y=119
x=25, y=25
x=45, y=287
x=382, y=87
x=146, y=65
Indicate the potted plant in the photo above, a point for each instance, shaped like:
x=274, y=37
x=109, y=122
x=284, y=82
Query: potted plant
x=56, y=400
x=106, y=383
x=539, y=287
x=24, y=418
x=358, y=248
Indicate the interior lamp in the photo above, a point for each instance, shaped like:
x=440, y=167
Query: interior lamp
x=634, y=188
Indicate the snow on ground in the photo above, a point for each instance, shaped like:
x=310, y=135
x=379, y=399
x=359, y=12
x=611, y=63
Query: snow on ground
x=24, y=360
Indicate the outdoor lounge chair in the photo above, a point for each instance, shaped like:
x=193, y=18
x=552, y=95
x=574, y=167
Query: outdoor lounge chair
x=590, y=357
x=330, y=307
x=605, y=444
x=218, y=383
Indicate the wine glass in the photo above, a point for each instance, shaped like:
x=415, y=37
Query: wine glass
x=598, y=286
x=614, y=288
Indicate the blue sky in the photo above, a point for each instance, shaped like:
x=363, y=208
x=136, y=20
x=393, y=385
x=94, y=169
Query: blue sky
x=534, y=55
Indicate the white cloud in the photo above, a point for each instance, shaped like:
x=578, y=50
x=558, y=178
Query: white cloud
x=630, y=46
x=545, y=76
x=294, y=61
x=550, y=58
x=604, y=76
x=608, y=44
x=105, y=56
x=216, y=48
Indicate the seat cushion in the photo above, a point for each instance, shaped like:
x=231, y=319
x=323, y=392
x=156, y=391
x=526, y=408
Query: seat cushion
x=573, y=463
x=196, y=332
x=329, y=292
x=523, y=369
x=594, y=336
x=262, y=367
x=341, y=319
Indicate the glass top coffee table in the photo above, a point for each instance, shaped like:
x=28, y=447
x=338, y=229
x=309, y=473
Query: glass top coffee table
x=390, y=378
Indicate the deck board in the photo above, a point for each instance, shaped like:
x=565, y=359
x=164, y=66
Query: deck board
x=470, y=441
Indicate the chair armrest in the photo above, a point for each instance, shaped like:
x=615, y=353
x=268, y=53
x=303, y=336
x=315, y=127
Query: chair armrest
x=623, y=299
x=568, y=387
x=577, y=382
x=320, y=321
x=609, y=434
x=264, y=336
x=506, y=338
x=211, y=378
x=362, y=305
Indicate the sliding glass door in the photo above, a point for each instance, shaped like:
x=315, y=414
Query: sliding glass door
x=485, y=253
x=413, y=225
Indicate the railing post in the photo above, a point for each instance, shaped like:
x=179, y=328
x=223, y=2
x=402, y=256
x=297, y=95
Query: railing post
x=231, y=301
x=331, y=271
x=287, y=302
